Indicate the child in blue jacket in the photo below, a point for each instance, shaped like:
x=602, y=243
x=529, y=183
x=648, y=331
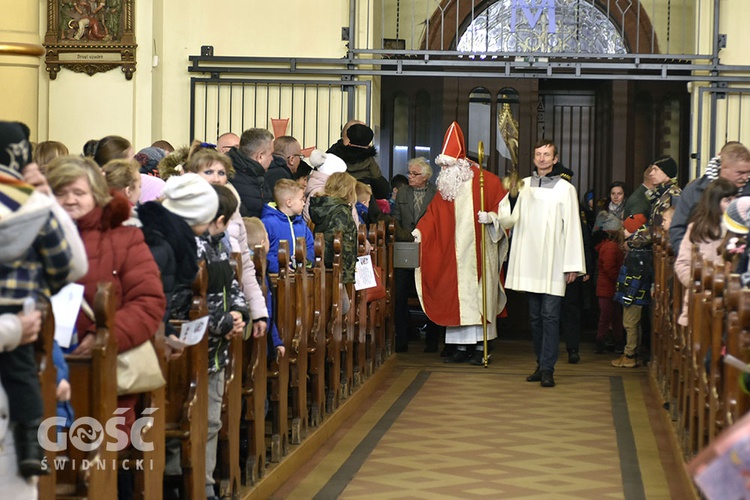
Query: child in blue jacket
x=283, y=221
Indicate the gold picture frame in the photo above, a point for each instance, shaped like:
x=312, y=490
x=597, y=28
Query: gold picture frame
x=90, y=36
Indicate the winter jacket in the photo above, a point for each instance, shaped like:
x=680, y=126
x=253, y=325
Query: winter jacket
x=250, y=182
x=277, y=170
x=403, y=210
x=682, y=265
x=316, y=185
x=662, y=197
x=172, y=244
x=223, y=295
x=250, y=287
x=330, y=215
x=279, y=227
x=634, y=281
x=119, y=254
x=608, y=267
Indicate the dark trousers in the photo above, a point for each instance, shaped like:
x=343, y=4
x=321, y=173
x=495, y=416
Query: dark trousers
x=405, y=287
x=20, y=380
x=610, y=313
x=570, y=315
x=544, y=317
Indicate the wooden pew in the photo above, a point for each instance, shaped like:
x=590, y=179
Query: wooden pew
x=227, y=472
x=334, y=305
x=254, y=388
x=278, y=375
x=716, y=422
x=93, y=381
x=149, y=481
x=381, y=315
x=358, y=351
x=187, y=398
x=317, y=338
x=735, y=402
x=301, y=323
x=48, y=384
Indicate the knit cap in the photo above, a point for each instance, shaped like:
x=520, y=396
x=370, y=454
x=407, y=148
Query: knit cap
x=151, y=188
x=15, y=150
x=737, y=217
x=149, y=159
x=606, y=221
x=327, y=163
x=191, y=197
x=634, y=222
x=360, y=135
x=667, y=165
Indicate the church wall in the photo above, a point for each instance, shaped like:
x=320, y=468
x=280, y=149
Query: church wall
x=155, y=104
x=19, y=74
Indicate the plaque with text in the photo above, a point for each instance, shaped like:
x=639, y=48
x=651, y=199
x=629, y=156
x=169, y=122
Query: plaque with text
x=90, y=36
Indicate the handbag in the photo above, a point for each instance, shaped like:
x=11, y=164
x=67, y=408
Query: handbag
x=138, y=369
x=378, y=291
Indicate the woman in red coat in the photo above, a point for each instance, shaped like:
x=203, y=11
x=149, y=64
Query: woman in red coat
x=607, y=241
x=116, y=253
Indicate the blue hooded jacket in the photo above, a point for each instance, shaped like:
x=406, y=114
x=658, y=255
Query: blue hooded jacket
x=279, y=227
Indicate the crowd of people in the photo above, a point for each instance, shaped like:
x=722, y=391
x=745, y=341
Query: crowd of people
x=143, y=221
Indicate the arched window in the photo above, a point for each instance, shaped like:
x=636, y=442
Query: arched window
x=400, y=133
x=423, y=122
x=480, y=121
x=570, y=26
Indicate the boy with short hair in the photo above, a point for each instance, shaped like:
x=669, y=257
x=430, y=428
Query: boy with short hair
x=228, y=314
x=283, y=221
x=364, y=194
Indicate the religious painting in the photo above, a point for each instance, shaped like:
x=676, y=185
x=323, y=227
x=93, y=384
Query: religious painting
x=90, y=36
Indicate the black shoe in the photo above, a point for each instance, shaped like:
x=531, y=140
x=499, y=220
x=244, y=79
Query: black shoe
x=535, y=377
x=573, y=357
x=599, y=348
x=28, y=451
x=478, y=358
x=547, y=379
x=458, y=357
x=448, y=350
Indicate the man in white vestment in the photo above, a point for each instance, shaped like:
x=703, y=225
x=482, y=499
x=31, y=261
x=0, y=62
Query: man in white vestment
x=546, y=251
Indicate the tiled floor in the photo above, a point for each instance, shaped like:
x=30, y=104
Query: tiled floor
x=442, y=431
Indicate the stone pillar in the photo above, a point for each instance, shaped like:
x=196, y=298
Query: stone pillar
x=21, y=55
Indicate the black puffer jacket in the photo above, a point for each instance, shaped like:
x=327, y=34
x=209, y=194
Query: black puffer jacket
x=361, y=164
x=172, y=243
x=250, y=183
x=278, y=170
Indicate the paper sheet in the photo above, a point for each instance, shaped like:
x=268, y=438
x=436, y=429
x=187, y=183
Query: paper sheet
x=65, y=306
x=364, y=276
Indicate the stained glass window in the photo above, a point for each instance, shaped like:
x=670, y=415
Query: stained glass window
x=572, y=26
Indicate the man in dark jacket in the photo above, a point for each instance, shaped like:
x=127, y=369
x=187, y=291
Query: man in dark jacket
x=411, y=204
x=251, y=161
x=287, y=155
x=732, y=164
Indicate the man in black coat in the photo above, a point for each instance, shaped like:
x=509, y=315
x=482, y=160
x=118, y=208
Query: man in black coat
x=287, y=155
x=251, y=161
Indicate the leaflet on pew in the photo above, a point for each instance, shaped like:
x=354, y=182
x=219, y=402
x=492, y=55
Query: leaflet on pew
x=191, y=333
